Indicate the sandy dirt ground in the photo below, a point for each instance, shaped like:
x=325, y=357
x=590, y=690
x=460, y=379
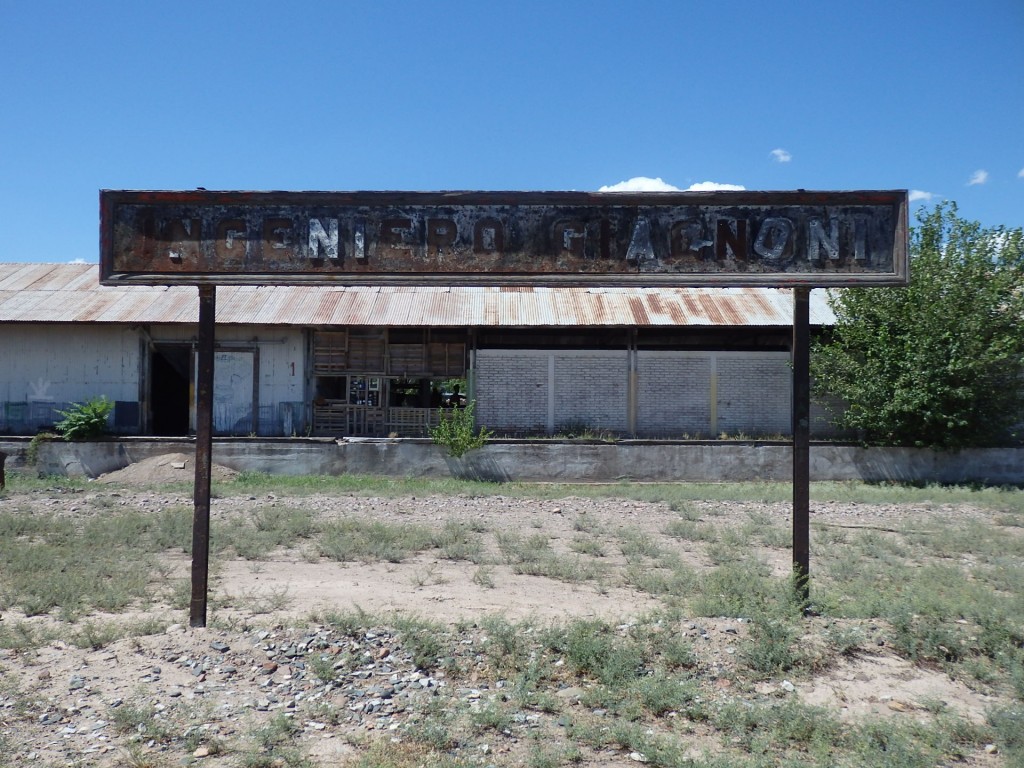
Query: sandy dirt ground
x=266, y=624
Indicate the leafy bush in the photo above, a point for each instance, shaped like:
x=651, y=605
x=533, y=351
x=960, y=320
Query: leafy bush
x=83, y=421
x=458, y=433
x=938, y=363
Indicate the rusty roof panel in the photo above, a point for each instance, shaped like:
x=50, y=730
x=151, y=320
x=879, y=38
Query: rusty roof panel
x=168, y=306
x=71, y=293
x=31, y=305
x=325, y=306
x=21, y=276
x=36, y=276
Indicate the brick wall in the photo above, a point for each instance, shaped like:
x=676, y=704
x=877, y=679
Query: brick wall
x=591, y=390
x=678, y=394
x=512, y=390
x=673, y=394
x=754, y=393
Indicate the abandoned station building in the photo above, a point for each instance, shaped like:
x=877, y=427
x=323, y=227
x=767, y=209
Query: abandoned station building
x=368, y=361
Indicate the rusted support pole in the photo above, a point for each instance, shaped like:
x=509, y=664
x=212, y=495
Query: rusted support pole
x=801, y=442
x=204, y=451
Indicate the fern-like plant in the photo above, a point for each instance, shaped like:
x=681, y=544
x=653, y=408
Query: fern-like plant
x=83, y=421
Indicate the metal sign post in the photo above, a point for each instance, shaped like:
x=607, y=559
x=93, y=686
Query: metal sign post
x=204, y=457
x=799, y=240
x=801, y=443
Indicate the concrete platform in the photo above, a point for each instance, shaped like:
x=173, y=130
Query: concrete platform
x=538, y=460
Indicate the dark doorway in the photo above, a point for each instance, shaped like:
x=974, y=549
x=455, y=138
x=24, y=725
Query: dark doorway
x=169, y=389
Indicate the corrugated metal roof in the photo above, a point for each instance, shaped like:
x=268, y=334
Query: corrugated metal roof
x=59, y=293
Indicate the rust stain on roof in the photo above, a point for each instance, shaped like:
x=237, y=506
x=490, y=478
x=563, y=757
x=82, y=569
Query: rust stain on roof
x=58, y=293
x=639, y=310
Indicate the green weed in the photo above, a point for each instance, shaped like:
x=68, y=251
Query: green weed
x=769, y=646
x=423, y=639
x=458, y=541
x=533, y=556
x=373, y=540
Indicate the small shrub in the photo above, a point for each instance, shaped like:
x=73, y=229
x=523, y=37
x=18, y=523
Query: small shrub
x=690, y=530
x=423, y=639
x=458, y=433
x=492, y=717
x=1008, y=724
x=274, y=746
x=769, y=648
x=484, y=577
x=634, y=543
x=96, y=636
x=660, y=694
x=845, y=640
x=506, y=644
x=323, y=667
x=457, y=541
x=83, y=421
x=592, y=648
x=738, y=588
x=132, y=716
x=32, y=452
x=586, y=545
x=677, y=581
x=926, y=638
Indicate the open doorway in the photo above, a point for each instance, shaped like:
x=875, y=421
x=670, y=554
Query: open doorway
x=169, y=389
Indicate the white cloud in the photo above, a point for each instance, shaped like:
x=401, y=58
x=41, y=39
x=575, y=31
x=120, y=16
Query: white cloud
x=78, y=261
x=978, y=177
x=780, y=155
x=640, y=184
x=918, y=194
x=645, y=184
x=714, y=186
x=1020, y=173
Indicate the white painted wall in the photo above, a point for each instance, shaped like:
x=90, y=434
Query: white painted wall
x=45, y=368
x=512, y=389
x=282, y=352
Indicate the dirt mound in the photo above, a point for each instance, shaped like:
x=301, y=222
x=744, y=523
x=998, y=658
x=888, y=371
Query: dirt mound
x=166, y=468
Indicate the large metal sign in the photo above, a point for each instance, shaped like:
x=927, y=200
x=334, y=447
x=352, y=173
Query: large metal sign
x=783, y=239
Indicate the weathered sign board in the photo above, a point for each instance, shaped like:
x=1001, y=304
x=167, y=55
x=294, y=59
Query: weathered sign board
x=780, y=239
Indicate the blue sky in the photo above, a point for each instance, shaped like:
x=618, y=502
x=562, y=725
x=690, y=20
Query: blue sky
x=507, y=96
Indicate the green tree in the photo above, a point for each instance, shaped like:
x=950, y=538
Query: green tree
x=939, y=363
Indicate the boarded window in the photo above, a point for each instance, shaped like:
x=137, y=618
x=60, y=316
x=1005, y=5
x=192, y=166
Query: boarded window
x=330, y=352
x=447, y=359
x=407, y=360
x=365, y=351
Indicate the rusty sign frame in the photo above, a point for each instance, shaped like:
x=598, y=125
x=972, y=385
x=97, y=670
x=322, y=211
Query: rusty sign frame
x=651, y=239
